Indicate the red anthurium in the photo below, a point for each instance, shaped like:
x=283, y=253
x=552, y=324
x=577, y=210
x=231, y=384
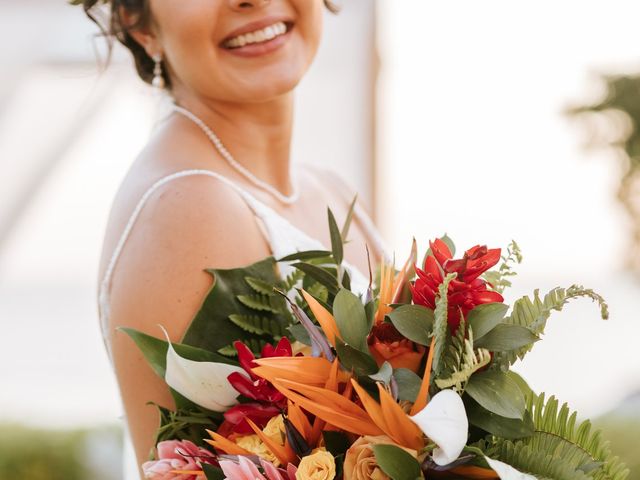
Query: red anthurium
x=467, y=290
x=268, y=402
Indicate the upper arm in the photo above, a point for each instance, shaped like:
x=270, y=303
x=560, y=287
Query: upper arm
x=188, y=225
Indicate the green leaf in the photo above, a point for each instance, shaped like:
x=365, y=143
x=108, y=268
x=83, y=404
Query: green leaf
x=360, y=362
x=397, y=463
x=414, y=322
x=320, y=275
x=521, y=382
x=498, y=393
x=306, y=255
x=257, y=325
x=336, y=238
x=300, y=333
x=212, y=473
x=211, y=329
x=408, y=384
x=348, y=220
x=351, y=319
x=510, y=428
x=505, y=337
x=155, y=351
x=384, y=374
x=484, y=318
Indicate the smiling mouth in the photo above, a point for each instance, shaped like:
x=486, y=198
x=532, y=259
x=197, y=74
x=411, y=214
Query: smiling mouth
x=262, y=35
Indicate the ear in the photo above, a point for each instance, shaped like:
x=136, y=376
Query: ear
x=145, y=35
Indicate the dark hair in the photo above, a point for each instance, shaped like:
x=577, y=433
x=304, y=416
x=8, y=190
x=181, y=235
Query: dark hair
x=116, y=28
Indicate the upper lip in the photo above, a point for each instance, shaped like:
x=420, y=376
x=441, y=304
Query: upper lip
x=257, y=25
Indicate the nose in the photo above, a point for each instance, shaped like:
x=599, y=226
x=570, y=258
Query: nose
x=248, y=4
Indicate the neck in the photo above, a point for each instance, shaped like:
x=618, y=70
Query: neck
x=258, y=135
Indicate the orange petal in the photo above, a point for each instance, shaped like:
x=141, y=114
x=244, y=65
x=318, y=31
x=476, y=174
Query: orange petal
x=311, y=370
x=372, y=407
x=282, y=453
x=402, y=428
x=343, y=420
x=299, y=420
x=423, y=394
x=221, y=443
x=324, y=318
x=324, y=397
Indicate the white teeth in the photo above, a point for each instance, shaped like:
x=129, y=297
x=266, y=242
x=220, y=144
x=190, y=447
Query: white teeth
x=262, y=35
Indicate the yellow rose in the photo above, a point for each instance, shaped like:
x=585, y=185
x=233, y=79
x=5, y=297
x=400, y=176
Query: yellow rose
x=253, y=444
x=320, y=465
x=360, y=461
x=275, y=429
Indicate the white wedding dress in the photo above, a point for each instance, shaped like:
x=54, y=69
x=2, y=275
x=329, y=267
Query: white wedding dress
x=282, y=236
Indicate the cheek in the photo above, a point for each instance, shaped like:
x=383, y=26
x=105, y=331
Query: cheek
x=187, y=30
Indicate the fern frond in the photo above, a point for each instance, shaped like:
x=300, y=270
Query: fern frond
x=499, y=279
x=293, y=280
x=462, y=363
x=319, y=291
x=263, y=303
x=559, y=449
x=441, y=325
x=258, y=325
x=228, y=351
x=533, y=314
x=259, y=286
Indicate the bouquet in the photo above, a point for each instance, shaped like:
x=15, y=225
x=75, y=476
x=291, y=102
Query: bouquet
x=301, y=378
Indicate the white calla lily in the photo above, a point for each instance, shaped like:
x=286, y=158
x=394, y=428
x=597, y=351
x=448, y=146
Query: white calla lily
x=507, y=472
x=204, y=383
x=444, y=421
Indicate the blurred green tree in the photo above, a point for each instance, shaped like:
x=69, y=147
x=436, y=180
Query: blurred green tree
x=613, y=123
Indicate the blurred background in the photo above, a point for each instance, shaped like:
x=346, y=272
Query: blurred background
x=494, y=120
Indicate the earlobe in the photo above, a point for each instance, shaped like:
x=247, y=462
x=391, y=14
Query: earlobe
x=143, y=35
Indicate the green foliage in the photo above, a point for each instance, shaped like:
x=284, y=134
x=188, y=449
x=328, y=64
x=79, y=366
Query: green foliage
x=186, y=425
x=461, y=361
x=484, y=318
x=533, y=315
x=351, y=319
x=397, y=463
x=408, y=384
x=559, y=448
x=498, y=393
x=441, y=325
x=39, y=454
x=414, y=322
x=499, y=279
x=240, y=304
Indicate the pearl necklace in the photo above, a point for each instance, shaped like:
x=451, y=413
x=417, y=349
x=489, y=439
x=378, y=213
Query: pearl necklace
x=222, y=150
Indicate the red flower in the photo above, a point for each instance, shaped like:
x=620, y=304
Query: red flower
x=268, y=402
x=467, y=290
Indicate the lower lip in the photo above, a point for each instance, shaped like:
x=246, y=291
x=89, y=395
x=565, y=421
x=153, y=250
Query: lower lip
x=259, y=49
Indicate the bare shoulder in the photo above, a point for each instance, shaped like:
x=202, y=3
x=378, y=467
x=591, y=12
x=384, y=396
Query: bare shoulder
x=186, y=225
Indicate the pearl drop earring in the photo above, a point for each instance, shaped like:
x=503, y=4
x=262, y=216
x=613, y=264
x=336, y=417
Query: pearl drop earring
x=158, y=79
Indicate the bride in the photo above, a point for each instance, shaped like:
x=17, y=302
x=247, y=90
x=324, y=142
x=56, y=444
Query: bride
x=214, y=187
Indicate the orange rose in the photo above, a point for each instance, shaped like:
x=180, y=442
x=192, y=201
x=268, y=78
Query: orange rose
x=360, y=461
x=386, y=344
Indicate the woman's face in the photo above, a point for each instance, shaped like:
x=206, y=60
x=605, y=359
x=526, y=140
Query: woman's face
x=234, y=50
